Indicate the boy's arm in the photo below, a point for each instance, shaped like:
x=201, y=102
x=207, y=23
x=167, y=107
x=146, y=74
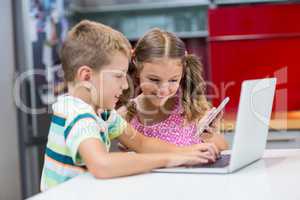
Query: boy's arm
x=133, y=140
x=86, y=147
x=103, y=164
x=142, y=144
x=136, y=141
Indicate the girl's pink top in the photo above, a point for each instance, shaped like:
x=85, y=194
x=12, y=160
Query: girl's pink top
x=171, y=129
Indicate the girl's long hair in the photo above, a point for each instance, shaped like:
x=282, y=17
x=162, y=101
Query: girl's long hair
x=157, y=44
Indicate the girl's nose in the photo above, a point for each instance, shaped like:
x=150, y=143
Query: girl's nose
x=163, y=90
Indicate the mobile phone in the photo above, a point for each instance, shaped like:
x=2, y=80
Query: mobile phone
x=214, y=114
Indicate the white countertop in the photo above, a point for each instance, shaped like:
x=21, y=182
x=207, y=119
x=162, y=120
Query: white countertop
x=275, y=177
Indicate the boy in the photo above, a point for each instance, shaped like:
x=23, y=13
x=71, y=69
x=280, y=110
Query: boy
x=95, y=61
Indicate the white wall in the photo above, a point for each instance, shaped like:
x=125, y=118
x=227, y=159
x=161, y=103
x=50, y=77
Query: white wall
x=10, y=182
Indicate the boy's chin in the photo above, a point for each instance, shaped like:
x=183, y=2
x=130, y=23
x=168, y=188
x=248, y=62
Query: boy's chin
x=109, y=106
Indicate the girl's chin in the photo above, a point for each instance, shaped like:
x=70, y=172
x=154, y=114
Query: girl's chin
x=158, y=101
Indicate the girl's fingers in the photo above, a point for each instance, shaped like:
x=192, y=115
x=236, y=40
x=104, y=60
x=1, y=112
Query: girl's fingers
x=211, y=110
x=209, y=130
x=212, y=149
x=208, y=156
x=210, y=113
x=215, y=149
x=217, y=119
x=206, y=117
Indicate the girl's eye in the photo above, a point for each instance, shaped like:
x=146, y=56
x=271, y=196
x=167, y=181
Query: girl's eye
x=173, y=81
x=153, y=79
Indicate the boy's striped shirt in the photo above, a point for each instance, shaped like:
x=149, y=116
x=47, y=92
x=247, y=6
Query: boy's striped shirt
x=74, y=121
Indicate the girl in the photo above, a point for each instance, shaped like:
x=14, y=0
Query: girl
x=169, y=97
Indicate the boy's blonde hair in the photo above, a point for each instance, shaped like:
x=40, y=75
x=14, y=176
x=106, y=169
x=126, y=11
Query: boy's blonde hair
x=92, y=44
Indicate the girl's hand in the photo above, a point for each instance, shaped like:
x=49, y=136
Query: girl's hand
x=204, y=125
x=217, y=139
x=212, y=134
x=213, y=129
x=204, y=120
x=123, y=148
x=209, y=129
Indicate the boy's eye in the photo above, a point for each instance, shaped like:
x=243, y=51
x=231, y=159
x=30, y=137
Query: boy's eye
x=119, y=75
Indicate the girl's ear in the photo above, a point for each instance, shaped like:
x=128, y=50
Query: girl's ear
x=84, y=73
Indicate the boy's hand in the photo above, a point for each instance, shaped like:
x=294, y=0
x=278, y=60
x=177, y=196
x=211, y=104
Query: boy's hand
x=188, y=159
x=208, y=150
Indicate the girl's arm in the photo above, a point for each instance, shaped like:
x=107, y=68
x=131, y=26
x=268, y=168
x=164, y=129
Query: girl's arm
x=216, y=139
x=103, y=164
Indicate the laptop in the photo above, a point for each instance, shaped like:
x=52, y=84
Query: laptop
x=251, y=130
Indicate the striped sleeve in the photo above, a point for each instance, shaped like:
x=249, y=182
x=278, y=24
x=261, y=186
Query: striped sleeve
x=116, y=127
x=81, y=128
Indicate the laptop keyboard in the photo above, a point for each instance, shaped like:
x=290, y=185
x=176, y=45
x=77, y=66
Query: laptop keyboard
x=223, y=161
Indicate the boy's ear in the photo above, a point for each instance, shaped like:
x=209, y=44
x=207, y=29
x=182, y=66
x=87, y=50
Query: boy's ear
x=84, y=73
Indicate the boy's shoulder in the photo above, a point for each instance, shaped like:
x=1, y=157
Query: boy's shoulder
x=70, y=107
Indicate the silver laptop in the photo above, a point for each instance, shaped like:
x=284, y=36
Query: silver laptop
x=251, y=130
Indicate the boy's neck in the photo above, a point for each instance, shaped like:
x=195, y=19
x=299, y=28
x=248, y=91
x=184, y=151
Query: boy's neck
x=81, y=93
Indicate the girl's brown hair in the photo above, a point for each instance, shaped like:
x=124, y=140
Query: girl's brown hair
x=157, y=44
